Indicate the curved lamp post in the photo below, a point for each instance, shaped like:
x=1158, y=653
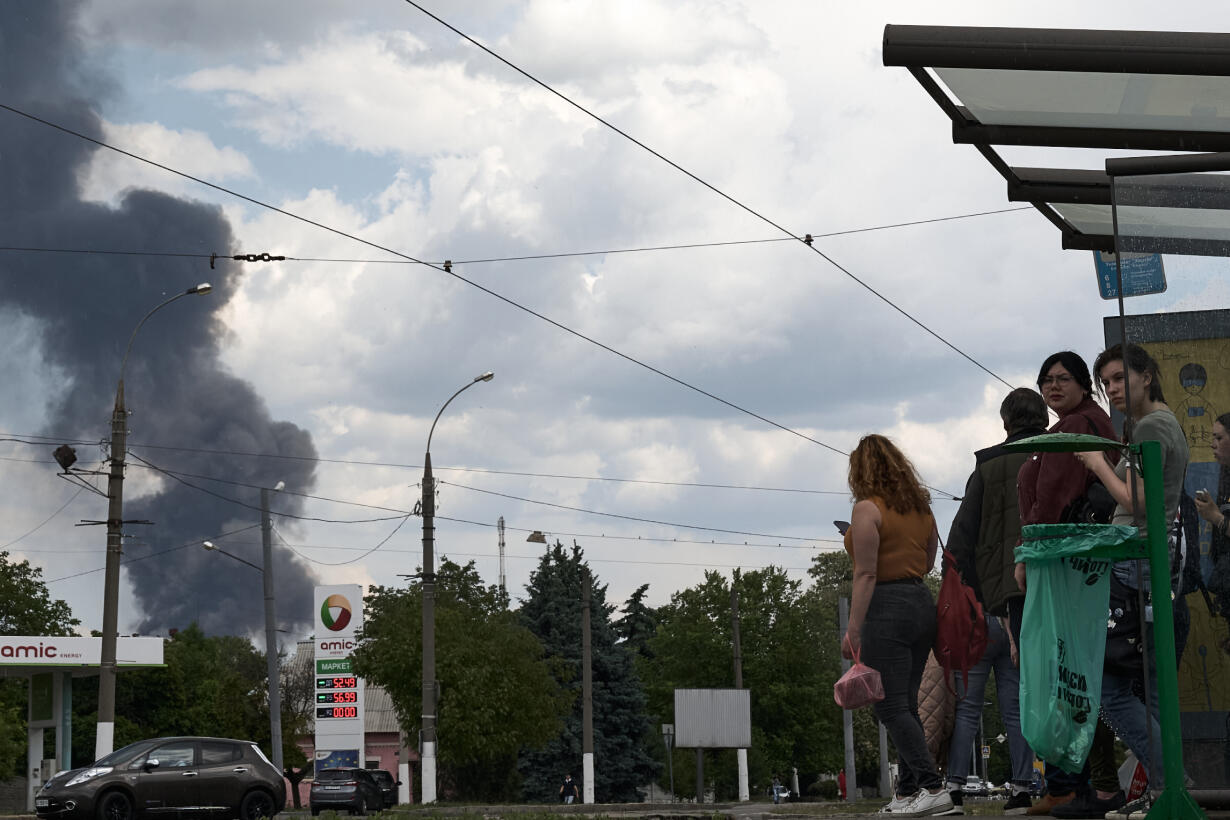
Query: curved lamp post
x=104, y=740
x=272, y=663
x=428, y=754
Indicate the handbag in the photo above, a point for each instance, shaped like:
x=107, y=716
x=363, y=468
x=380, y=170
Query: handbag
x=860, y=686
x=1124, y=646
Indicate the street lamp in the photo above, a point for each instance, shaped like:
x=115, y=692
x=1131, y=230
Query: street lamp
x=428, y=754
x=271, y=640
x=104, y=739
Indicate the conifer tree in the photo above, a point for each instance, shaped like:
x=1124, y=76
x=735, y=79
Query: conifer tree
x=552, y=611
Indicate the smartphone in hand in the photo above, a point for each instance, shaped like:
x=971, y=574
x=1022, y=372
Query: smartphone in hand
x=1203, y=495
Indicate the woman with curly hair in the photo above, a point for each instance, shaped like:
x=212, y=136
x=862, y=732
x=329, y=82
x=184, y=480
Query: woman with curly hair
x=892, y=541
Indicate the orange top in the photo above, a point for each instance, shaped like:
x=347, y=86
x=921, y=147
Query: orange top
x=903, y=543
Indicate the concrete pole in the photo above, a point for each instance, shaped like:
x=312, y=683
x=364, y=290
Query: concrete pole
x=700, y=776
x=587, y=687
x=104, y=738
x=271, y=636
x=428, y=762
x=403, y=768
x=34, y=758
x=847, y=717
x=740, y=754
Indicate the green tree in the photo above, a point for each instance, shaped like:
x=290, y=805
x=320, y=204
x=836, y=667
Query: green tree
x=28, y=609
x=787, y=655
x=552, y=611
x=638, y=624
x=497, y=693
x=210, y=685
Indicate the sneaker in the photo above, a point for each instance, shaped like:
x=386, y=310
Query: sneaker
x=958, y=804
x=1048, y=802
x=1088, y=805
x=1138, y=808
x=899, y=804
x=1018, y=803
x=927, y=804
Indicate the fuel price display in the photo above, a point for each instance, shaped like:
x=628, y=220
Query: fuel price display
x=337, y=683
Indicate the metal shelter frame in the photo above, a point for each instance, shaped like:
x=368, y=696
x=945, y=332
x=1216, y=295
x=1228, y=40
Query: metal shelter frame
x=1122, y=79
x=1115, y=91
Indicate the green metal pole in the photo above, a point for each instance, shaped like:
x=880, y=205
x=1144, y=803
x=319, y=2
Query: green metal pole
x=1175, y=803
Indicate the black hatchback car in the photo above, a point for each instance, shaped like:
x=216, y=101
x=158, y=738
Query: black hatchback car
x=202, y=777
x=388, y=786
x=354, y=790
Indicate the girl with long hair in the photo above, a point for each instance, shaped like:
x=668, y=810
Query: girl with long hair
x=892, y=542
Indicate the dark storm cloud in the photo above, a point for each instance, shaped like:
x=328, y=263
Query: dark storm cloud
x=176, y=388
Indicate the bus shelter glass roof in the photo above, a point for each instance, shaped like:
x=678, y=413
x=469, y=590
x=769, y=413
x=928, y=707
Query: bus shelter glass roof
x=1108, y=91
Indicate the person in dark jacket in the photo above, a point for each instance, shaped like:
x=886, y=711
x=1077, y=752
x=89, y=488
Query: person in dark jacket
x=985, y=530
x=1047, y=485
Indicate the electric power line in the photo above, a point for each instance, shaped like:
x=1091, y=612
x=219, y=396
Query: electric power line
x=712, y=188
x=194, y=542
x=446, y=269
x=239, y=503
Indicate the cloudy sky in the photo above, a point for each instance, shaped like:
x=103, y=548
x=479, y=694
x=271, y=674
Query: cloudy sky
x=325, y=370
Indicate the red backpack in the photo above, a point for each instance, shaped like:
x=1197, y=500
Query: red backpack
x=960, y=623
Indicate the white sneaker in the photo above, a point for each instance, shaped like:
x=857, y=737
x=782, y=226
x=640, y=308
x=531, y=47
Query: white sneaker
x=899, y=805
x=927, y=804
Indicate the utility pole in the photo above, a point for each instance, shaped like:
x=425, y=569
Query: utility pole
x=271, y=637
x=740, y=754
x=587, y=688
x=104, y=739
x=501, y=555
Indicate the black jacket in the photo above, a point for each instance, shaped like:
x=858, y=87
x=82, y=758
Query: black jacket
x=987, y=526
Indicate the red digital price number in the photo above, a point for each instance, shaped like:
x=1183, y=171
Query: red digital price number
x=338, y=712
x=343, y=697
x=337, y=683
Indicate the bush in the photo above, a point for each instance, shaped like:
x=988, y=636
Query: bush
x=828, y=789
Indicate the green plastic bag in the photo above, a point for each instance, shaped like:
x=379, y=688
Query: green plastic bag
x=1063, y=636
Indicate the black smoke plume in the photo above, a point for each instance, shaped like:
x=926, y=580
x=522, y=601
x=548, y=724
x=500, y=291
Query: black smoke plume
x=176, y=387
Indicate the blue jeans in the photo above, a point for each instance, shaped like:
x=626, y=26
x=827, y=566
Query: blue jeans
x=997, y=658
x=1125, y=713
x=896, y=639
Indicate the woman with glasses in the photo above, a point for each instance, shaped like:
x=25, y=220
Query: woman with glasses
x=1047, y=486
x=892, y=541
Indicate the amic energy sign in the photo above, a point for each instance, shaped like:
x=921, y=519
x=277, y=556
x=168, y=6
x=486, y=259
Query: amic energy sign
x=338, y=614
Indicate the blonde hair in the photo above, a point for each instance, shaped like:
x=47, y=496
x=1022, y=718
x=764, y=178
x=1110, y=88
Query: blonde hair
x=879, y=469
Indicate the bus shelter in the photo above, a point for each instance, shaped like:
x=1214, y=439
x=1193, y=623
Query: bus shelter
x=1111, y=94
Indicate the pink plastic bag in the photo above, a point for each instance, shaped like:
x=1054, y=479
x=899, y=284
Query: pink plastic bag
x=860, y=686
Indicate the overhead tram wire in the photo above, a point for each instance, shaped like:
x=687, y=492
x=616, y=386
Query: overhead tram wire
x=399, y=465
x=480, y=470
x=446, y=270
x=529, y=258
x=295, y=549
x=624, y=517
x=406, y=514
x=402, y=514
x=711, y=187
